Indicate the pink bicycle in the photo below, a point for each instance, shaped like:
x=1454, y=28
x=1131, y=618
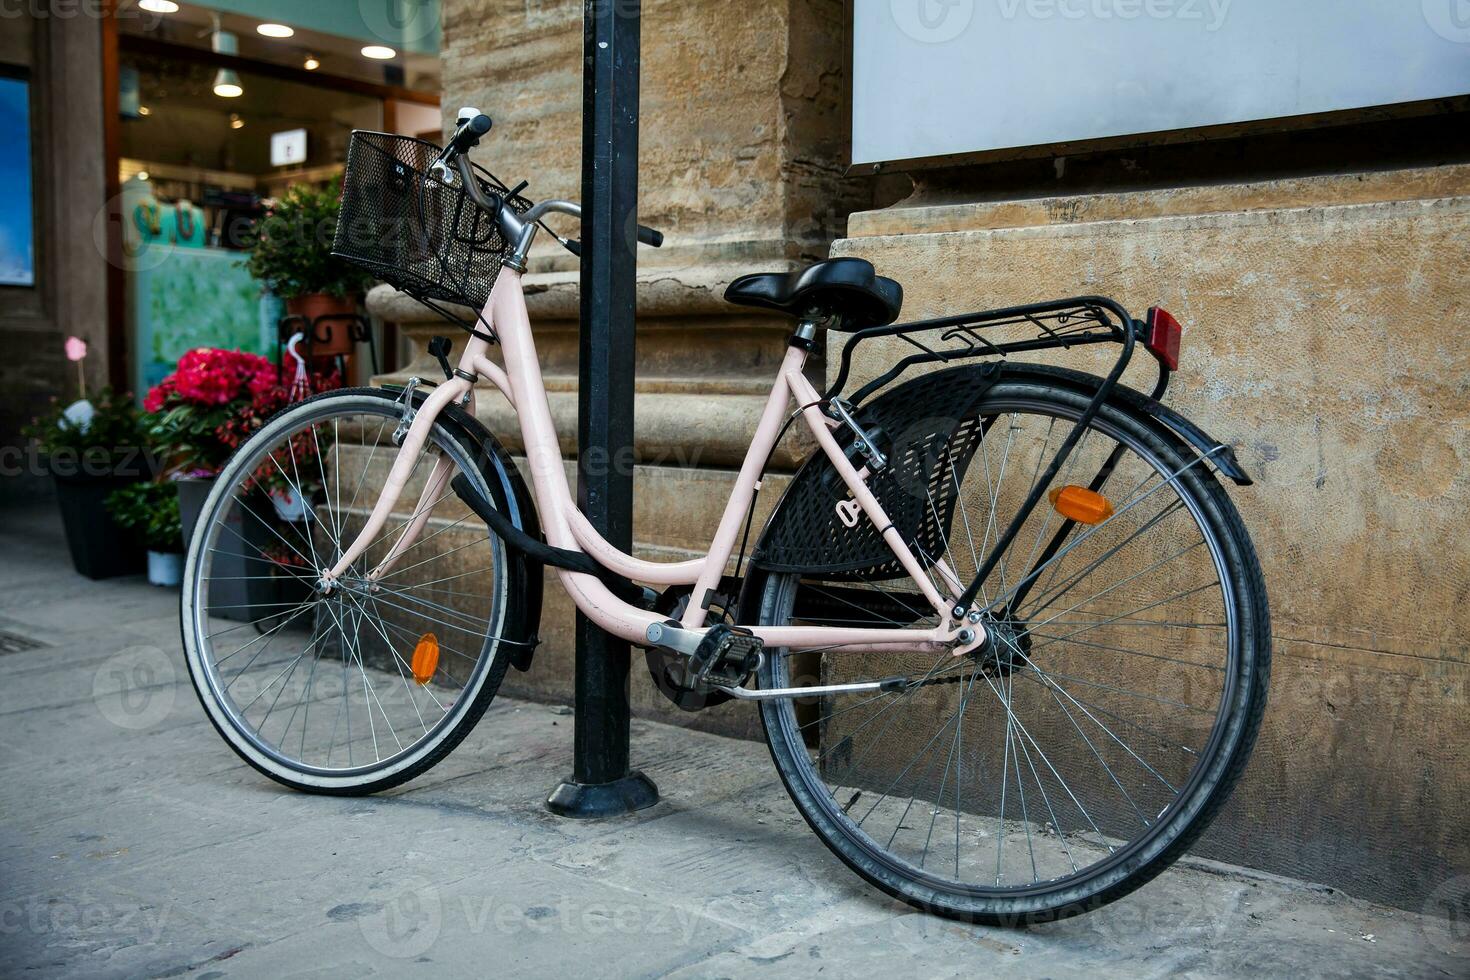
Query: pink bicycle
x=1007, y=634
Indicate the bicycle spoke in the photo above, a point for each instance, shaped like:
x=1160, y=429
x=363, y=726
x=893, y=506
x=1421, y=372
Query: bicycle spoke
x=1081, y=745
x=280, y=689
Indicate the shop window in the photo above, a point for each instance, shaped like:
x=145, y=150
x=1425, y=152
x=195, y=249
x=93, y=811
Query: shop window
x=17, y=214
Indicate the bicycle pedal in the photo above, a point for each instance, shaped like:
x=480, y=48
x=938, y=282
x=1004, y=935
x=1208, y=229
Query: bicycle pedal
x=722, y=656
x=726, y=655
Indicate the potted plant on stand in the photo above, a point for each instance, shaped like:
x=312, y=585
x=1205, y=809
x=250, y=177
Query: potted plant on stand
x=151, y=511
x=291, y=252
x=93, y=447
x=197, y=417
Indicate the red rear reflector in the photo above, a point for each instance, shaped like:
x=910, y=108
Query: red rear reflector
x=1161, y=336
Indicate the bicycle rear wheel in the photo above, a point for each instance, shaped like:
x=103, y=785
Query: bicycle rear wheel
x=1094, y=739
x=361, y=688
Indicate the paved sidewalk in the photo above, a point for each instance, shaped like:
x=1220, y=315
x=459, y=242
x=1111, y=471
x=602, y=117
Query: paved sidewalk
x=133, y=842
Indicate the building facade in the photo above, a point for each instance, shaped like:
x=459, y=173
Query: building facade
x=1318, y=271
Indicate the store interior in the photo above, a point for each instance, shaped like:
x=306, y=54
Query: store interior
x=222, y=108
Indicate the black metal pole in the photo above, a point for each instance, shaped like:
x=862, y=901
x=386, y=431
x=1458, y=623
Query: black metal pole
x=602, y=783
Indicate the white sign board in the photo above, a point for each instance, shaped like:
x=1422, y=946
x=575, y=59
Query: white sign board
x=935, y=77
x=288, y=148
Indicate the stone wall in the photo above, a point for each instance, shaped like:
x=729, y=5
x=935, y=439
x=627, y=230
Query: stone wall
x=1326, y=339
x=63, y=56
x=744, y=138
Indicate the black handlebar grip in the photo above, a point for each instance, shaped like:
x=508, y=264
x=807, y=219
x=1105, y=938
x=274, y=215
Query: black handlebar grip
x=648, y=236
x=469, y=134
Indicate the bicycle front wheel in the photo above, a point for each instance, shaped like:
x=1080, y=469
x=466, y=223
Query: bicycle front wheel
x=1095, y=737
x=359, y=688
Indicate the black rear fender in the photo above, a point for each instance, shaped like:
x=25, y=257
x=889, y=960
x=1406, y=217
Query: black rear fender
x=1218, y=453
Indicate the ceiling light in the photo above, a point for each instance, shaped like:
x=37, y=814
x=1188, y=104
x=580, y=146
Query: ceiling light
x=159, y=6
x=236, y=122
x=275, y=30
x=143, y=110
x=143, y=175
x=378, y=52
x=312, y=62
x=226, y=82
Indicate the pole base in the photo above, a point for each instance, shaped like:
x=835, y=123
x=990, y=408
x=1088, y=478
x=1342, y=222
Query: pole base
x=591, y=801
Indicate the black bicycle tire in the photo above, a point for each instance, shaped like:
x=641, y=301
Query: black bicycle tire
x=1091, y=892
x=452, y=736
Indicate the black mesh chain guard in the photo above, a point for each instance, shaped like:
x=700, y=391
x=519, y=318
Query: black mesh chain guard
x=932, y=433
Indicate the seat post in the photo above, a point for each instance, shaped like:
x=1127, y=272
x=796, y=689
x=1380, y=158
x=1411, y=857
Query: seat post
x=805, y=333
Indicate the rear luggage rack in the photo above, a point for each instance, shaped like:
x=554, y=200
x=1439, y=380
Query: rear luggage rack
x=1056, y=324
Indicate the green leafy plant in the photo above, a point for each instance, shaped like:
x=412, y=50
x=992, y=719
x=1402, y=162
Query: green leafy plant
x=215, y=400
x=291, y=247
x=151, y=510
x=113, y=440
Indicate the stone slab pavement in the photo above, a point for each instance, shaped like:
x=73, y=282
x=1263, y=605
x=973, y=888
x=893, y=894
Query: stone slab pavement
x=134, y=843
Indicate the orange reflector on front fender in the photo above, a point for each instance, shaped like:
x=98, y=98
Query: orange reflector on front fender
x=425, y=658
x=1081, y=504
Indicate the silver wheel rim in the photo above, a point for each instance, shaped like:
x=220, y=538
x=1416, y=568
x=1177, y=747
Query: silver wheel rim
x=354, y=648
x=1101, y=731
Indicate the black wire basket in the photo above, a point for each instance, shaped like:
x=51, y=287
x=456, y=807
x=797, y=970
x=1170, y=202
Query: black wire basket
x=412, y=230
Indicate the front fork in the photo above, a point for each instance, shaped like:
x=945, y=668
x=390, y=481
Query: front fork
x=398, y=477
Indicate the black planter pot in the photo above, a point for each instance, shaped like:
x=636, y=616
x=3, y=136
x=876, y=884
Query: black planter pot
x=99, y=548
x=192, y=495
x=243, y=583
x=293, y=587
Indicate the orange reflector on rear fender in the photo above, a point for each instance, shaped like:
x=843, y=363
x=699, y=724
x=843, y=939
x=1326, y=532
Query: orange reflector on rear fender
x=1081, y=504
x=425, y=658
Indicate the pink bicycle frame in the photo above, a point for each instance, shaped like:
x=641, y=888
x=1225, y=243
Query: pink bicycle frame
x=566, y=527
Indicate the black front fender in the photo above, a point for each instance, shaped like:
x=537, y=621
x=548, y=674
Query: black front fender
x=511, y=497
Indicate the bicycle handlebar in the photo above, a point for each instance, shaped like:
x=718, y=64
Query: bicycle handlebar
x=473, y=125
x=467, y=137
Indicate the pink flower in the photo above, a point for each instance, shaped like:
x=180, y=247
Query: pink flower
x=76, y=348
